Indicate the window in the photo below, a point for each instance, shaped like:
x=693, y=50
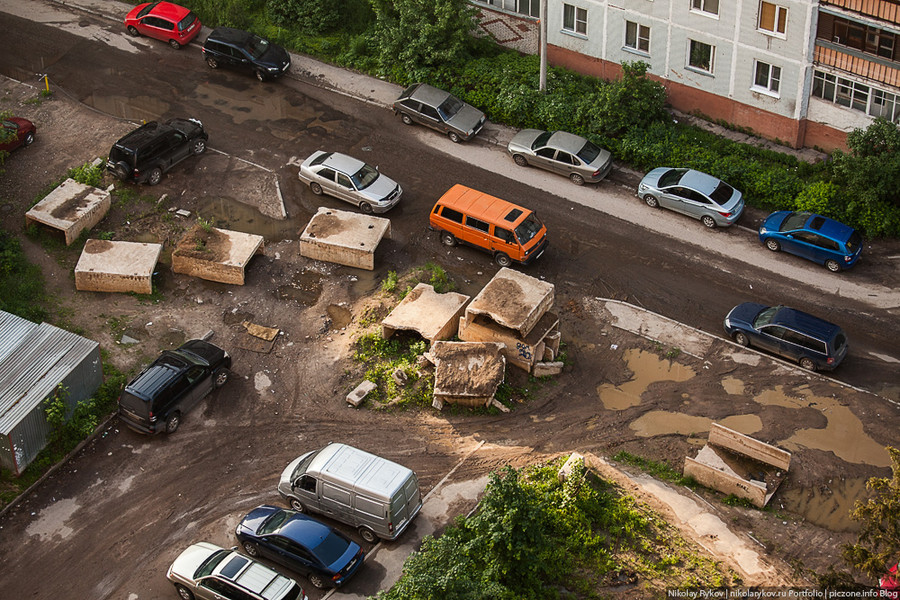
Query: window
x=452, y=215
x=637, y=37
x=504, y=234
x=706, y=6
x=772, y=18
x=574, y=19
x=532, y=8
x=767, y=77
x=701, y=56
x=870, y=40
x=874, y=102
x=477, y=224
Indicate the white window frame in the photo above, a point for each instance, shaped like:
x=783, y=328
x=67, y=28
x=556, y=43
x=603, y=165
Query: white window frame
x=638, y=38
x=703, y=7
x=773, y=76
x=578, y=26
x=712, y=57
x=779, y=11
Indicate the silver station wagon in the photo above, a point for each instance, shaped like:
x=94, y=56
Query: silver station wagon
x=350, y=179
x=565, y=153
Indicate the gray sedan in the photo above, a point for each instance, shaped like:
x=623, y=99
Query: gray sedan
x=350, y=179
x=440, y=110
x=692, y=193
x=564, y=153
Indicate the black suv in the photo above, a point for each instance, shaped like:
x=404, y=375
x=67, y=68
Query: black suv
x=227, y=47
x=155, y=400
x=153, y=148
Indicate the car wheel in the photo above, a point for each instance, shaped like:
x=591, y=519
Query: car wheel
x=365, y=207
x=251, y=549
x=502, y=259
x=315, y=188
x=808, y=363
x=741, y=339
x=260, y=76
x=120, y=170
x=175, y=44
x=155, y=176
x=212, y=62
x=651, y=201
x=297, y=505
x=367, y=534
x=185, y=593
x=407, y=120
x=833, y=265
x=454, y=137
x=133, y=32
x=173, y=422
x=448, y=239
x=220, y=377
x=576, y=179
x=773, y=245
x=316, y=580
x=708, y=221
x=29, y=139
x=199, y=146
x=520, y=160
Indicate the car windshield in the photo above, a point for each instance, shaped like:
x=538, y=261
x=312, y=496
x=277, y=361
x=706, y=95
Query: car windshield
x=765, y=317
x=186, y=21
x=274, y=522
x=541, y=140
x=331, y=548
x=365, y=177
x=589, y=152
x=210, y=564
x=795, y=220
x=302, y=466
x=671, y=177
x=256, y=46
x=528, y=228
x=450, y=107
x=722, y=194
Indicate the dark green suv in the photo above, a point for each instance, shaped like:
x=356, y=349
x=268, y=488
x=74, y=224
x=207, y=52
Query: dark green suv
x=153, y=148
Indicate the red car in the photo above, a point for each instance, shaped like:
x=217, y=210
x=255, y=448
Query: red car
x=23, y=129
x=163, y=21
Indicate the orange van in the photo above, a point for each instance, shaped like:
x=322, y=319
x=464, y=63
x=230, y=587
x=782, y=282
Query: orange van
x=509, y=232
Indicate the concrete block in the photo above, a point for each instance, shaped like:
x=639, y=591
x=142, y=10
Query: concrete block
x=356, y=397
x=343, y=237
x=399, y=377
x=215, y=254
x=71, y=208
x=499, y=405
x=433, y=316
x=755, y=449
x=544, y=369
x=566, y=470
x=107, y=266
x=513, y=300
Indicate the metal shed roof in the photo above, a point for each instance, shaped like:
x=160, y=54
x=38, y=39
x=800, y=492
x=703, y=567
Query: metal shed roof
x=13, y=330
x=31, y=369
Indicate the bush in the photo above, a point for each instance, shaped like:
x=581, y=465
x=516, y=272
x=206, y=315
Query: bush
x=312, y=17
x=22, y=282
x=87, y=174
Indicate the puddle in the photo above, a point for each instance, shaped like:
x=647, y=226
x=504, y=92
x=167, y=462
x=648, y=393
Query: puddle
x=237, y=216
x=843, y=434
x=827, y=506
x=647, y=368
x=733, y=386
x=252, y=105
x=661, y=422
x=140, y=108
x=340, y=316
x=366, y=282
x=305, y=287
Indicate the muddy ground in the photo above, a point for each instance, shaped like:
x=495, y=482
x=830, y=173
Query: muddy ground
x=127, y=504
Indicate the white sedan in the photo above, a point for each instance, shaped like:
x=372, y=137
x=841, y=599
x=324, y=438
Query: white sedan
x=350, y=179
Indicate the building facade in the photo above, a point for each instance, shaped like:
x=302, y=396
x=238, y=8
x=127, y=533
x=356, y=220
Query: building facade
x=799, y=71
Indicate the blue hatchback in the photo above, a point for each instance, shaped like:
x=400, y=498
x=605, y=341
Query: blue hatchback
x=789, y=333
x=812, y=236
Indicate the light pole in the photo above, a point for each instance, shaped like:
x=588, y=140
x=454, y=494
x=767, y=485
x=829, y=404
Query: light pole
x=543, y=49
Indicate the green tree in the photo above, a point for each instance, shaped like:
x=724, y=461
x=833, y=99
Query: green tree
x=634, y=101
x=411, y=37
x=312, y=17
x=878, y=542
x=871, y=170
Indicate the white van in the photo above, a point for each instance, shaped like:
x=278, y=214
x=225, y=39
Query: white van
x=373, y=494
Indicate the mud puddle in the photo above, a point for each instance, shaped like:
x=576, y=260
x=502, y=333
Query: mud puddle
x=647, y=368
x=305, y=287
x=228, y=213
x=663, y=422
x=828, y=505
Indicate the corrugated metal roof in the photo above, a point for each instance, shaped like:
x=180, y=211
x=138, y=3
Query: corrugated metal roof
x=32, y=369
x=13, y=330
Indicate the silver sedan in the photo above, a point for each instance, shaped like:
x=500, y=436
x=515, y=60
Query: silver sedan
x=350, y=179
x=565, y=153
x=692, y=193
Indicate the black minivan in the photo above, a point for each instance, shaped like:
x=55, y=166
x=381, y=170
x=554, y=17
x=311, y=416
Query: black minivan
x=235, y=48
x=157, y=398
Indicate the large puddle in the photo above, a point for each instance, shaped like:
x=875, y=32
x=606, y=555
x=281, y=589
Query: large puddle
x=827, y=506
x=237, y=216
x=247, y=104
x=662, y=422
x=647, y=368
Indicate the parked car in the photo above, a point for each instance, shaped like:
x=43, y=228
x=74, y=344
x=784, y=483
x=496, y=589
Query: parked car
x=20, y=132
x=234, y=48
x=692, y=193
x=205, y=571
x=154, y=148
x=350, y=179
x=163, y=21
x=812, y=236
x=300, y=543
x=565, y=153
x=161, y=394
x=789, y=333
x=377, y=496
x=440, y=110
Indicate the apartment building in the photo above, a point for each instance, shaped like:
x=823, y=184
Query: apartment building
x=800, y=71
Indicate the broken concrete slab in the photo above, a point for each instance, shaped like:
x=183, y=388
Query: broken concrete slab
x=108, y=266
x=734, y=463
x=215, y=254
x=565, y=471
x=546, y=369
x=261, y=331
x=467, y=373
x=356, y=397
x=71, y=208
x=433, y=316
x=343, y=237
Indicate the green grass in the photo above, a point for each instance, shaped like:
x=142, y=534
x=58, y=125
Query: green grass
x=660, y=470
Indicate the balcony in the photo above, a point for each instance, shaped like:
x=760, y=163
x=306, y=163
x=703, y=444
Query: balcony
x=857, y=63
x=886, y=10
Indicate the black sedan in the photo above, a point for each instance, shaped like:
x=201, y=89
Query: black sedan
x=301, y=543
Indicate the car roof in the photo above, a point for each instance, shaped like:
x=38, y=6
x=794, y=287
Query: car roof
x=344, y=163
x=253, y=576
x=568, y=142
x=360, y=470
x=483, y=206
x=429, y=94
x=229, y=35
x=700, y=182
x=807, y=323
x=304, y=530
x=828, y=227
x=170, y=11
